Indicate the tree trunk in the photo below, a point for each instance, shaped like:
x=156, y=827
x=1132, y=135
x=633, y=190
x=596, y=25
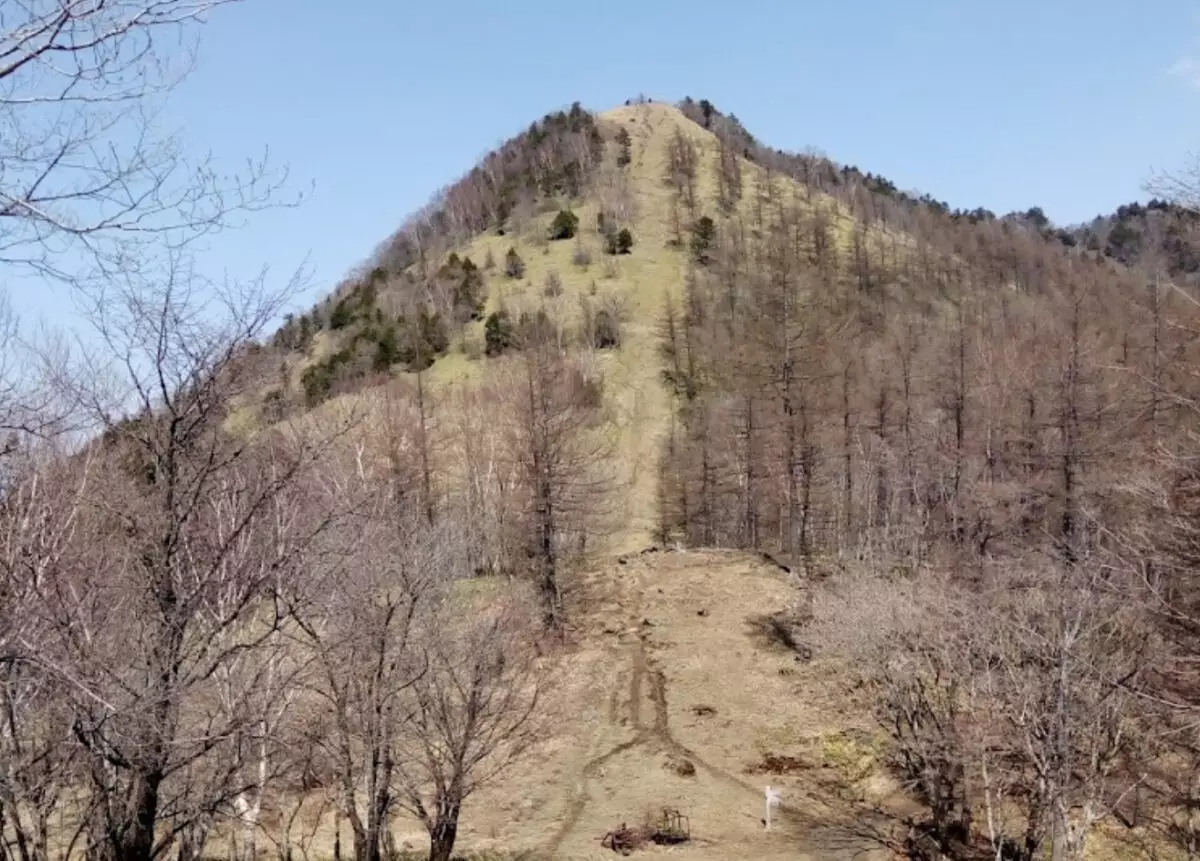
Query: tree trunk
x=443, y=835
x=137, y=843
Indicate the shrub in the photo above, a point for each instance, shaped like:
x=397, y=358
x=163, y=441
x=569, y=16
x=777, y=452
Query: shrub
x=387, y=349
x=537, y=328
x=342, y=316
x=514, y=266
x=619, y=242
x=274, y=406
x=432, y=330
x=468, y=295
x=565, y=225
x=318, y=379
x=588, y=391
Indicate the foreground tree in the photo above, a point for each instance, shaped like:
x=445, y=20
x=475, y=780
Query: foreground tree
x=1014, y=704
x=91, y=184
x=179, y=542
x=360, y=634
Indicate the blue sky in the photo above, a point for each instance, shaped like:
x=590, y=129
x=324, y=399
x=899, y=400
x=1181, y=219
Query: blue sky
x=1059, y=103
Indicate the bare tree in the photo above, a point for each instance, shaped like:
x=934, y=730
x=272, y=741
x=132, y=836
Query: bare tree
x=560, y=459
x=91, y=184
x=185, y=533
x=472, y=712
x=361, y=631
x=41, y=768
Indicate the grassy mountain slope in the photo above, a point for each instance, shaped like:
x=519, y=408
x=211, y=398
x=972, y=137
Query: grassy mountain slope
x=676, y=690
x=638, y=284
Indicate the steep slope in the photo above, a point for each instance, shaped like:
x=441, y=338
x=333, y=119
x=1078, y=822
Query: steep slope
x=854, y=377
x=563, y=276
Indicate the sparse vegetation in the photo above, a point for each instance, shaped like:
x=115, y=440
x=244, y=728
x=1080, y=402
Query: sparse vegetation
x=581, y=257
x=624, y=147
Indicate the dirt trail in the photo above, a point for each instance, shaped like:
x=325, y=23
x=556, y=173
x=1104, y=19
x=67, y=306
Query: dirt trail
x=641, y=674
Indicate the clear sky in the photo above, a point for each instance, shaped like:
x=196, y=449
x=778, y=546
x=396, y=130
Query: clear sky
x=1065, y=104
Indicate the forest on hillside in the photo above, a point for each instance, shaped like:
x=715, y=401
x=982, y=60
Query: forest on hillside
x=979, y=442
x=236, y=605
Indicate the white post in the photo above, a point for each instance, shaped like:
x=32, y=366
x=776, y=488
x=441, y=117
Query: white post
x=772, y=801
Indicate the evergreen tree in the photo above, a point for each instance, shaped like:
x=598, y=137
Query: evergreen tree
x=624, y=147
x=605, y=331
x=565, y=225
x=497, y=332
x=704, y=231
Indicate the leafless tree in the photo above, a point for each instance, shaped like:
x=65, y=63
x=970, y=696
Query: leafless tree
x=91, y=184
x=559, y=452
x=361, y=631
x=474, y=709
x=184, y=535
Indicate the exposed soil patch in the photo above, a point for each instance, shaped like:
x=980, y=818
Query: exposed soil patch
x=773, y=763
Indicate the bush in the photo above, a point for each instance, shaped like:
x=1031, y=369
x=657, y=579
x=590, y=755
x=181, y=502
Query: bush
x=565, y=225
x=536, y=329
x=274, y=406
x=342, y=316
x=497, y=333
x=387, y=349
x=468, y=292
x=318, y=379
x=588, y=391
x=514, y=266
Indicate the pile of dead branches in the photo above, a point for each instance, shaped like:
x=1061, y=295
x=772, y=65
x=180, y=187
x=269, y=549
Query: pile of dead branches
x=669, y=828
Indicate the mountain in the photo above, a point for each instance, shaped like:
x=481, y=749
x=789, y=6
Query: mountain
x=635, y=354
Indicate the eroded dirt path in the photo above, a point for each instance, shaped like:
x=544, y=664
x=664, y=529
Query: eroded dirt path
x=624, y=766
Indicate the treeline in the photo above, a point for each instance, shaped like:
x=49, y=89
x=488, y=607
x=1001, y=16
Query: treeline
x=219, y=640
x=1160, y=228
x=978, y=443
